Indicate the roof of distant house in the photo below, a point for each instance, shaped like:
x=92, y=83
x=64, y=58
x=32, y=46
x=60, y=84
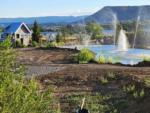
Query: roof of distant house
x=12, y=28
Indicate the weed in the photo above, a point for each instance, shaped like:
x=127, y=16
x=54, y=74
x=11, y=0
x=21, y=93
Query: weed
x=111, y=76
x=102, y=60
x=147, y=82
x=104, y=81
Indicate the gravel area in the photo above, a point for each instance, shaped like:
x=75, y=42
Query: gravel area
x=41, y=70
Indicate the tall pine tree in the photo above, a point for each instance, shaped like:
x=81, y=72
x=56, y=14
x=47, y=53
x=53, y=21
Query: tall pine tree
x=36, y=32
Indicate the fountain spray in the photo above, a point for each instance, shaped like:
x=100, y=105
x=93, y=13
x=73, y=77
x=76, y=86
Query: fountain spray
x=122, y=41
x=136, y=30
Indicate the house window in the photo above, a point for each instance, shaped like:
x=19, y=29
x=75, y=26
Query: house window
x=18, y=36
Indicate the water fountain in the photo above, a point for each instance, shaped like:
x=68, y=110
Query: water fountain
x=136, y=30
x=115, y=21
x=119, y=50
x=142, y=30
x=122, y=41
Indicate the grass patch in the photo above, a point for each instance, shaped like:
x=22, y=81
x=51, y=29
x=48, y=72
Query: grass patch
x=104, y=60
x=95, y=103
x=104, y=80
x=101, y=60
x=111, y=76
x=146, y=58
x=147, y=82
x=134, y=91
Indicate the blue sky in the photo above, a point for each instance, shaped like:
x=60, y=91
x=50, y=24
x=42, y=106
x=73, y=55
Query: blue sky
x=32, y=8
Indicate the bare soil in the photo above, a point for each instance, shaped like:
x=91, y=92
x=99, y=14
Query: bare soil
x=77, y=78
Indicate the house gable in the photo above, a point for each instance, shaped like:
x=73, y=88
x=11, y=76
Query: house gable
x=23, y=30
x=14, y=27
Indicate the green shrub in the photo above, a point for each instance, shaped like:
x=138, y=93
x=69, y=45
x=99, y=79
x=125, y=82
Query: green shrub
x=85, y=56
x=147, y=82
x=6, y=43
x=110, y=60
x=146, y=58
x=35, y=44
x=132, y=90
x=18, y=95
x=60, y=44
x=102, y=60
x=142, y=93
x=18, y=44
x=129, y=88
x=111, y=76
x=135, y=94
x=103, y=81
x=51, y=44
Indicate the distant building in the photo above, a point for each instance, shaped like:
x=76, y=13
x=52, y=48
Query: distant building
x=18, y=32
x=50, y=36
x=108, y=32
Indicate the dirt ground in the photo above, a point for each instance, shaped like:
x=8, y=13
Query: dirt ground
x=70, y=78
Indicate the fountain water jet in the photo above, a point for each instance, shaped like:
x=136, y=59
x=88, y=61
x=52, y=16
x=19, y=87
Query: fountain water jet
x=115, y=21
x=122, y=41
x=136, y=30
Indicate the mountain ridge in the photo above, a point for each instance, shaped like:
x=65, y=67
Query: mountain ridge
x=123, y=13
x=103, y=16
x=43, y=20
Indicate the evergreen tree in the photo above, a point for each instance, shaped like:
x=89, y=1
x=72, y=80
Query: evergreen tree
x=36, y=32
x=59, y=38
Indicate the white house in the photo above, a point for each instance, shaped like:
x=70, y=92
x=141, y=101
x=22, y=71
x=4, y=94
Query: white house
x=18, y=32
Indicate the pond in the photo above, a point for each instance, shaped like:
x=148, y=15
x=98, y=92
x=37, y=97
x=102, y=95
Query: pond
x=131, y=56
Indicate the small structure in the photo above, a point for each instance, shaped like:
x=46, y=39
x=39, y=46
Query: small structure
x=19, y=32
x=50, y=36
x=108, y=32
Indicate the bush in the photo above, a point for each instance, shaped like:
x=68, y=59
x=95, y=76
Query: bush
x=84, y=56
x=6, y=43
x=142, y=93
x=60, y=44
x=34, y=44
x=129, y=88
x=135, y=94
x=18, y=44
x=133, y=91
x=110, y=60
x=111, y=76
x=147, y=82
x=17, y=95
x=101, y=60
x=103, y=80
x=146, y=58
x=51, y=44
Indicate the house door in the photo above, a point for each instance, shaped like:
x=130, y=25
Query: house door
x=22, y=41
